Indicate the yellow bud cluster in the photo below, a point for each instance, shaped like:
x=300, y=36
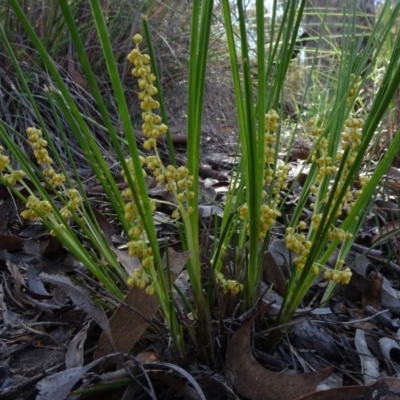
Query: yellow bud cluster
x=39, y=146
x=30, y=215
x=177, y=180
x=152, y=126
x=339, y=276
x=339, y=234
x=323, y=144
x=228, y=285
x=316, y=132
x=295, y=241
x=267, y=219
x=75, y=201
x=131, y=211
x=315, y=269
x=138, y=278
x=269, y=154
x=13, y=177
x=316, y=219
x=325, y=169
x=351, y=137
x=132, y=173
x=36, y=208
x=139, y=249
x=56, y=180
x=353, y=88
x=271, y=121
x=268, y=175
x=136, y=231
x=281, y=180
x=4, y=160
x=298, y=243
x=318, y=155
x=42, y=156
x=270, y=125
x=154, y=164
x=243, y=212
x=137, y=245
x=364, y=180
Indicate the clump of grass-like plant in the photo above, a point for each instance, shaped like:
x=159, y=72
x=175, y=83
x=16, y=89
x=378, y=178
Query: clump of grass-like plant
x=256, y=199
x=341, y=141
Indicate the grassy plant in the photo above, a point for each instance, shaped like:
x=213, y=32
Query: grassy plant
x=257, y=195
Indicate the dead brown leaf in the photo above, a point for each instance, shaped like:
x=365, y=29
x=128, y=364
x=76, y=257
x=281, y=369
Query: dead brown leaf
x=10, y=242
x=128, y=325
x=273, y=274
x=372, y=297
x=81, y=298
x=254, y=382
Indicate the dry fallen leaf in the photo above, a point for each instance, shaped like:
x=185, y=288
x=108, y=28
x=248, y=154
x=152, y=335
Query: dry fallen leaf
x=59, y=385
x=128, y=325
x=81, y=298
x=10, y=242
x=254, y=382
x=372, y=296
x=369, y=364
x=272, y=273
x=74, y=356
